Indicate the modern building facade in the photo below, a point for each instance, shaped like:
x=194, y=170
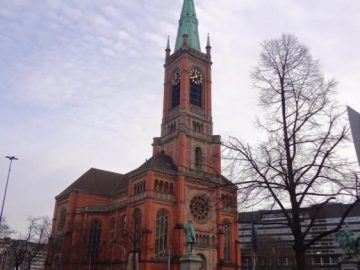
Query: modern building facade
x=275, y=239
x=28, y=255
x=108, y=220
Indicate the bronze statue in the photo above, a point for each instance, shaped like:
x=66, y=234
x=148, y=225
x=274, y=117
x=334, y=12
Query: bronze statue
x=190, y=236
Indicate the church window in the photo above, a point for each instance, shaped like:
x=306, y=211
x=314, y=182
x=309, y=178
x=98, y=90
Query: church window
x=122, y=227
x=161, y=241
x=143, y=186
x=62, y=218
x=166, y=187
x=137, y=228
x=171, y=188
x=199, y=208
x=112, y=229
x=196, y=82
x=226, y=227
x=139, y=187
x=198, y=158
x=175, y=88
x=228, y=202
x=94, y=239
x=156, y=187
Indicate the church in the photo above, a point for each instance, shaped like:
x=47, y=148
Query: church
x=136, y=220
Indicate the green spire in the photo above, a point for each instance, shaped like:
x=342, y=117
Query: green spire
x=188, y=24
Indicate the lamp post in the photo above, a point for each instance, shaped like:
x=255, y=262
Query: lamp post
x=11, y=158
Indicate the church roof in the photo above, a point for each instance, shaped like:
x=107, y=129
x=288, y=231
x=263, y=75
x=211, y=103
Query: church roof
x=188, y=24
x=98, y=182
x=160, y=161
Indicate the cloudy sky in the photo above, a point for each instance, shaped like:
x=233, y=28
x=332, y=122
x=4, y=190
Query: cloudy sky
x=81, y=80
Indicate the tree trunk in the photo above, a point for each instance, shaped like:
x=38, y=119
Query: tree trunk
x=300, y=260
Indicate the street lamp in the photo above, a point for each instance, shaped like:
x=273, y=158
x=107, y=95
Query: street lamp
x=11, y=158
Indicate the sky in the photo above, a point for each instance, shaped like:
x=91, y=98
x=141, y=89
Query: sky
x=81, y=81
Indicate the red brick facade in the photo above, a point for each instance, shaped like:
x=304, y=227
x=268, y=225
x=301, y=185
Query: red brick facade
x=106, y=220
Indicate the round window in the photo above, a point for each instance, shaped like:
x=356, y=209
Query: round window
x=199, y=208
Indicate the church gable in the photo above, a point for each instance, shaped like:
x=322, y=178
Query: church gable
x=97, y=182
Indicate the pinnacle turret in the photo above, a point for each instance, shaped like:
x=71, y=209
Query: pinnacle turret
x=188, y=24
x=168, y=44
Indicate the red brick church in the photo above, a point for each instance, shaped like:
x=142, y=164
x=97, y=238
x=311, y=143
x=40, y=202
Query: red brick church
x=135, y=221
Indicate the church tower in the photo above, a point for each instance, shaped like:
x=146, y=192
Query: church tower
x=135, y=221
x=203, y=195
x=187, y=128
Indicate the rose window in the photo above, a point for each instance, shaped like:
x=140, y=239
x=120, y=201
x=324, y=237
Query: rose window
x=199, y=208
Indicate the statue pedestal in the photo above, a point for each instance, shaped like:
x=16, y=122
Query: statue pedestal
x=190, y=262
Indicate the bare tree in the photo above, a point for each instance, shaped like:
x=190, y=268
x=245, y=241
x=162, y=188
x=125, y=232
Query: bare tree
x=298, y=164
x=27, y=247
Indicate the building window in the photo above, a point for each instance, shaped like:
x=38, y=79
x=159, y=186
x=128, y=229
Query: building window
x=139, y=187
x=161, y=241
x=196, y=81
x=175, y=88
x=198, y=158
x=94, y=240
x=62, y=218
x=137, y=228
x=122, y=227
x=227, y=237
x=112, y=229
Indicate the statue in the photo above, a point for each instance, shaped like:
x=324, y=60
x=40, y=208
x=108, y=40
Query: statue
x=190, y=236
x=349, y=243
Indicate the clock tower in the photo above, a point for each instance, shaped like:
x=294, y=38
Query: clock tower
x=135, y=220
x=187, y=128
x=203, y=195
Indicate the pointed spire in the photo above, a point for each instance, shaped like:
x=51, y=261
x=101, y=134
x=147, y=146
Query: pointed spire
x=188, y=24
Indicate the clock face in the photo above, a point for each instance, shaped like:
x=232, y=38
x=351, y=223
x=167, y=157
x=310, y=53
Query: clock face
x=175, y=79
x=195, y=76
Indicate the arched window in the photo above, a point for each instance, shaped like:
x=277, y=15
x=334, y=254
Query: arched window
x=112, y=229
x=175, y=88
x=161, y=240
x=62, y=218
x=227, y=237
x=137, y=228
x=198, y=158
x=196, y=81
x=143, y=186
x=94, y=239
x=171, y=188
x=156, y=187
x=122, y=227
